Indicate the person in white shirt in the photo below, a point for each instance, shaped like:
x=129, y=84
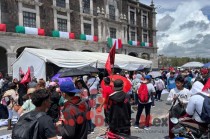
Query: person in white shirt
x=147, y=105
x=92, y=84
x=195, y=105
x=179, y=92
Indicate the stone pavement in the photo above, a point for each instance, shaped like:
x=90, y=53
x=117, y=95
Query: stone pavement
x=157, y=131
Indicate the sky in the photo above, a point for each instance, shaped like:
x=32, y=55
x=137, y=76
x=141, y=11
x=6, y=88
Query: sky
x=183, y=27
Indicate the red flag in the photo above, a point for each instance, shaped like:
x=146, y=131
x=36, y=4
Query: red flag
x=110, y=59
x=27, y=77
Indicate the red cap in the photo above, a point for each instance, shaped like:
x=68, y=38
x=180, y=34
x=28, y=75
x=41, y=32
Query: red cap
x=204, y=71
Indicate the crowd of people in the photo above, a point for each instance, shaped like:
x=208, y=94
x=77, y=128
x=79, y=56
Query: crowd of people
x=64, y=108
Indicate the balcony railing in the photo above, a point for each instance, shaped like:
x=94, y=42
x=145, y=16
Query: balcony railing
x=144, y=25
x=87, y=10
x=132, y=22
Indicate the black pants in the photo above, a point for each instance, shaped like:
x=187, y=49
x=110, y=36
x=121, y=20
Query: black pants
x=158, y=94
x=147, y=112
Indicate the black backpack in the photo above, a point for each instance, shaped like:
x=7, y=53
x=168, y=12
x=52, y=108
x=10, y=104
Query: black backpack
x=205, y=113
x=27, y=126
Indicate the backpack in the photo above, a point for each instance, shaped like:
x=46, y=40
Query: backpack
x=143, y=93
x=205, y=113
x=159, y=85
x=27, y=126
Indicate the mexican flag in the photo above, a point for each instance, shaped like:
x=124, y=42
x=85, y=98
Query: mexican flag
x=30, y=30
x=118, y=43
x=134, y=43
x=61, y=34
x=3, y=27
x=88, y=37
x=146, y=44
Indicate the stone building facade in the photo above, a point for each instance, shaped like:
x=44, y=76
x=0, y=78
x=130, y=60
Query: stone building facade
x=128, y=20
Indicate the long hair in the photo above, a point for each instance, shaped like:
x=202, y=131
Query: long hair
x=83, y=85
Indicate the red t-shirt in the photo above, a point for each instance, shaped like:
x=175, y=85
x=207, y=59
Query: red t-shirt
x=106, y=91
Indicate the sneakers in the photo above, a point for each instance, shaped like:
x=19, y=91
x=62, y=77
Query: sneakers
x=136, y=126
x=153, y=106
x=147, y=128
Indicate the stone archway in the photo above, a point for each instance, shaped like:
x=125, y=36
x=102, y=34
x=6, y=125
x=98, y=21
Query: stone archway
x=133, y=54
x=3, y=61
x=145, y=56
x=62, y=49
x=87, y=51
x=21, y=49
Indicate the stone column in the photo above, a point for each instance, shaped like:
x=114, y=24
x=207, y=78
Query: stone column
x=11, y=57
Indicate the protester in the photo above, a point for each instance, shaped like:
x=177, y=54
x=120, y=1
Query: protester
x=93, y=83
x=84, y=91
x=119, y=110
x=46, y=129
x=180, y=93
x=28, y=105
x=205, y=75
x=54, y=111
x=85, y=94
x=74, y=120
x=171, y=81
x=41, y=84
x=11, y=98
x=106, y=91
x=22, y=90
x=135, y=83
x=150, y=90
x=195, y=105
x=159, y=86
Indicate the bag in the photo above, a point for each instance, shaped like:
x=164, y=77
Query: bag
x=27, y=126
x=5, y=101
x=159, y=85
x=4, y=114
x=205, y=113
x=143, y=93
x=177, y=110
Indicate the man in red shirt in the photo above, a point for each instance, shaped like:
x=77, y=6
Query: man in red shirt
x=106, y=91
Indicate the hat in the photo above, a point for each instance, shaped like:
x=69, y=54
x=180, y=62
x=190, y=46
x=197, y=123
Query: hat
x=31, y=90
x=68, y=87
x=148, y=77
x=204, y=71
x=196, y=88
x=118, y=85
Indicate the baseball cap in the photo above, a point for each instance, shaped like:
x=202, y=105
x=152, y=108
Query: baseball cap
x=147, y=77
x=204, y=71
x=68, y=87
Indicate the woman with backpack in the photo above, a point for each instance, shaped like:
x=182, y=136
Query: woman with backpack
x=145, y=91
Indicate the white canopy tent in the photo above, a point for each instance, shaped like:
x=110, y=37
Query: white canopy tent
x=192, y=65
x=37, y=58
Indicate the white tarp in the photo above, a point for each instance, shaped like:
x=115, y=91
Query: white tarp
x=192, y=65
x=71, y=59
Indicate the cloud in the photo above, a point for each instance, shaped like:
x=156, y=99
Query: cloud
x=191, y=41
x=165, y=23
x=193, y=24
x=184, y=31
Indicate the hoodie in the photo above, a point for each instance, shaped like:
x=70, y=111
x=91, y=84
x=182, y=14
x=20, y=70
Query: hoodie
x=75, y=121
x=119, y=110
x=135, y=82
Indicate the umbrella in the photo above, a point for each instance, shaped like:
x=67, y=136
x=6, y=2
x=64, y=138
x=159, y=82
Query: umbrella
x=63, y=70
x=192, y=65
x=155, y=74
x=126, y=82
x=207, y=65
x=73, y=72
x=90, y=69
x=60, y=80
